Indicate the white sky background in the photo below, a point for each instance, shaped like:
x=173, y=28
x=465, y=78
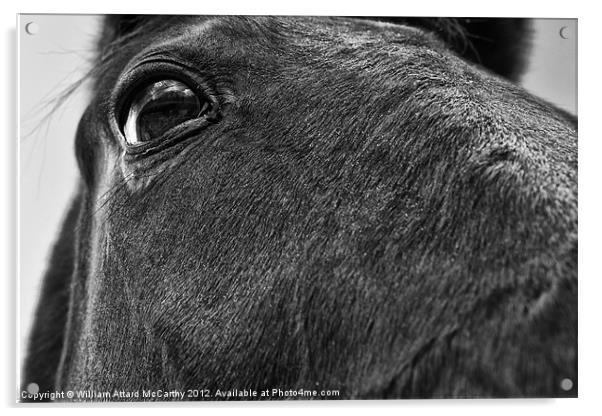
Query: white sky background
x=49, y=61
x=57, y=55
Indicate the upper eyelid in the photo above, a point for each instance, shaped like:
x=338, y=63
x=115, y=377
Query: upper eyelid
x=213, y=78
x=159, y=57
x=132, y=70
x=178, y=67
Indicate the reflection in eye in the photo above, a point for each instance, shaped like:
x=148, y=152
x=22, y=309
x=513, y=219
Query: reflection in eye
x=158, y=108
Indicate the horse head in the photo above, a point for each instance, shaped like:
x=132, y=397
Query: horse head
x=367, y=205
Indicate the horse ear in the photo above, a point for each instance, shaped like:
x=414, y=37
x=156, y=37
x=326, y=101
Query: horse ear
x=501, y=45
x=498, y=44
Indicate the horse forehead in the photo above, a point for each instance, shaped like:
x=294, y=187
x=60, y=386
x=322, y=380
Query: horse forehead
x=329, y=32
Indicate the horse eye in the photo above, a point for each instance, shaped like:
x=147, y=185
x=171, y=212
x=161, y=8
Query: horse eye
x=158, y=108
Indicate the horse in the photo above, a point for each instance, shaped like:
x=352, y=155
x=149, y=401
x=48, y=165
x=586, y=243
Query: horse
x=313, y=207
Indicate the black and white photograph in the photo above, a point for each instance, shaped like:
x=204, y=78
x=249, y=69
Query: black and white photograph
x=296, y=208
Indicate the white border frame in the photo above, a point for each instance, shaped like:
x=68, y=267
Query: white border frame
x=589, y=203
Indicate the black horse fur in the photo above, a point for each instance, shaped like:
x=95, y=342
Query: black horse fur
x=374, y=206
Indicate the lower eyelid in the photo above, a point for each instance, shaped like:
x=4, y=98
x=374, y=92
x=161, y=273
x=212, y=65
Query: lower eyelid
x=171, y=137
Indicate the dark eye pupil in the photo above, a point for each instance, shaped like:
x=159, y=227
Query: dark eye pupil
x=158, y=108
